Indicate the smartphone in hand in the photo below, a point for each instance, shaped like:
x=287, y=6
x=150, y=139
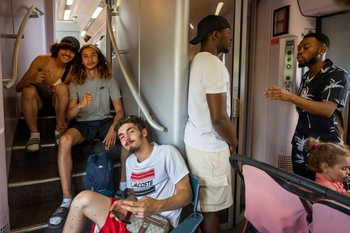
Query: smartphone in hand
x=121, y=217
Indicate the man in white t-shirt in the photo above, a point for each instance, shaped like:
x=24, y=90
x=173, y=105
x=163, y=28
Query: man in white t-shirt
x=209, y=134
x=157, y=179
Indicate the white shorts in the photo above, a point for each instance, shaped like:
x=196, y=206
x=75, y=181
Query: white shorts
x=214, y=171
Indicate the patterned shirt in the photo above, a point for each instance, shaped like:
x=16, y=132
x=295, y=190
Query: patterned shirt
x=330, y=84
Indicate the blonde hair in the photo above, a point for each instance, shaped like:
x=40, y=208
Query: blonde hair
x=324, y=152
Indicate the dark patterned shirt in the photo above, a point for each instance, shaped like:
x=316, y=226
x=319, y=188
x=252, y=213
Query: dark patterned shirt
x=330, y=84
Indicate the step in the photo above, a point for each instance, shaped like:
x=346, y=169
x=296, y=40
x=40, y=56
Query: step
x=34, y=182
x=46, y=125
x=36, y=193
x=29, y=167
x=39, y=202
x=31, y=220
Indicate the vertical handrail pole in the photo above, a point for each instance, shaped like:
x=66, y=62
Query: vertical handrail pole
x=132, y=88
x=13, y=79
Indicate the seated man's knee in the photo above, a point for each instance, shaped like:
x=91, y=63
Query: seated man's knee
x=84, y=198
x=61, y=89
x=29, y=92
x=66, y=140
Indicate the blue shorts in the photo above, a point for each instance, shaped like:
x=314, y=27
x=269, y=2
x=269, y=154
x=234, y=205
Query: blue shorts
x=93, y=129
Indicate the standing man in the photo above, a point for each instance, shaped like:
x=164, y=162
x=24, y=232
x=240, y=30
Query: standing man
x=90, y=94
x=157, y=179
x=209, y=134
x=322, y=95
x=44, y=85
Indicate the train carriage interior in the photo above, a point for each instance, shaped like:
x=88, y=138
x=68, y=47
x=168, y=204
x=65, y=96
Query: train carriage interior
x=147, y=44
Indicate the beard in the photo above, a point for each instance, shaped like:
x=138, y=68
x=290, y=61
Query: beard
x=310, y=62
x=225, y=50
x=132, y=150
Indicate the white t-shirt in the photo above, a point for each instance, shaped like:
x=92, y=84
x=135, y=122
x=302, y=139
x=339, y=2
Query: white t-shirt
x=208, y=75
x=157, y=176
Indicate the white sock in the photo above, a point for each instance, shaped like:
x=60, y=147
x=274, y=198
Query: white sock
x=57, y=220
x=35, y=146
x=66, y=203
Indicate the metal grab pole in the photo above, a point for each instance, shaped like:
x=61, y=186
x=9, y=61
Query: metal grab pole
x=139, y=101
x=12, y=81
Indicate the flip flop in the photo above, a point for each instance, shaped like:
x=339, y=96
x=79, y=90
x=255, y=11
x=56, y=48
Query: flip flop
x=33, y=141
x=57, y=138
x=62, y=213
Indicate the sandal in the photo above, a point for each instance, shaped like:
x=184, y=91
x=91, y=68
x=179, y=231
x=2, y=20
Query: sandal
x=61, y=213
x=57, y=138
x=33, y=141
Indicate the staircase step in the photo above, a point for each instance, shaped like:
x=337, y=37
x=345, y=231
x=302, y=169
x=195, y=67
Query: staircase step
x=46, y=125
x=31, y=220
x=42, y=165
x=49, y=191
x=34, y=185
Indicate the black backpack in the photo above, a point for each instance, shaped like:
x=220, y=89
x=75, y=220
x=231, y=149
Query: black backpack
x=99, y=174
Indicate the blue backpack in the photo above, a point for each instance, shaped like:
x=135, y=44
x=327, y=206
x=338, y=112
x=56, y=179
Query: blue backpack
x=99, y=174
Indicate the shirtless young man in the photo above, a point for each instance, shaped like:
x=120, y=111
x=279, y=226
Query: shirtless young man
x=44, y=84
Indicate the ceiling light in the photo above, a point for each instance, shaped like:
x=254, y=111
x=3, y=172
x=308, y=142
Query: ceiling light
x=92, y=19
x=97, y=12
x=66, y=14
x=218, y=8
x=69, y=2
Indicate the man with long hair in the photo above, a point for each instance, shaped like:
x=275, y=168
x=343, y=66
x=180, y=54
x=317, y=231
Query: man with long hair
x=90, y=94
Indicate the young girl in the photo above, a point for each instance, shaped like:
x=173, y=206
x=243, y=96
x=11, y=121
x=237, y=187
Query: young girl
x=330, y=161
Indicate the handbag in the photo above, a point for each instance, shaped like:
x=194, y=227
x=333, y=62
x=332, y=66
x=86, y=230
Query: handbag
x=155, y=223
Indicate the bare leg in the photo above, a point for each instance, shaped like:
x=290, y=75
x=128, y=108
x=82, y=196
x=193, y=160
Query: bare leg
x=124, y=155
x=31, y=103
x=64, y=159
x=211, y=222
x=60, y=102
x=87, y=204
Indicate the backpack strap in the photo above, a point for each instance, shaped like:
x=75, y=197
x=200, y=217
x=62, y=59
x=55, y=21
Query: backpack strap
x=66, y=72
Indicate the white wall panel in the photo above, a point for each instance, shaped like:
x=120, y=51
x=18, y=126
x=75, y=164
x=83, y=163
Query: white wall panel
x=156, y=47
x=264, y=147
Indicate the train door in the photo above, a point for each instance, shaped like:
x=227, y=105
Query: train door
x=336, y=28
x=4, y=209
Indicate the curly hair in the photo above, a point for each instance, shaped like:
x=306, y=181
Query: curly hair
x=103, y=66
x=138, y=121
x=55, y=48
x=324, y=152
